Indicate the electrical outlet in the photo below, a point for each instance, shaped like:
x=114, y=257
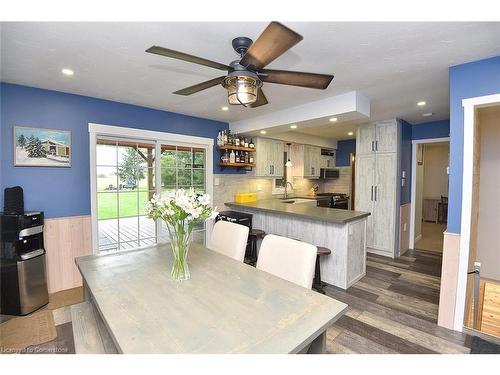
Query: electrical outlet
x=404, y=227
x=216, y=181
x=259, y=187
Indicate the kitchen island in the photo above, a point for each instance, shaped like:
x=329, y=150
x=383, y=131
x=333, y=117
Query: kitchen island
x=341, y=231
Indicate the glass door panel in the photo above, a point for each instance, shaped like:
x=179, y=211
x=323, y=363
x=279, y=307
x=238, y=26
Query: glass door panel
x=182, y=168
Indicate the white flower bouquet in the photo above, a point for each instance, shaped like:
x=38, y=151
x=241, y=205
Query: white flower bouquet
x=181, y=211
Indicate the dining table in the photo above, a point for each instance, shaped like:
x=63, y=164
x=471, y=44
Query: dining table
x=226, y=306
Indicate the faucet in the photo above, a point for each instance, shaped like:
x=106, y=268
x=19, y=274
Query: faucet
x=285, y=196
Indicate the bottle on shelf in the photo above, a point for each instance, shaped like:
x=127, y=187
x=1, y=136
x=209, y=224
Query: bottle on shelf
x=250, y=158
x=224, y=138
x=245, y=141
x=237, y=157
x=229, y=138
x=232, y=157
x=237, y=140
x=247, y=158
x=219, y=139
x=251, y=145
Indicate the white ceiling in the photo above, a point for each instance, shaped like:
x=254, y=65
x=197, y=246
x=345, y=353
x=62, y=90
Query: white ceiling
x=394, y=64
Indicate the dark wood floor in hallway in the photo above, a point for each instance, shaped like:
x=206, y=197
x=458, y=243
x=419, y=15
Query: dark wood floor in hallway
x=393, y=309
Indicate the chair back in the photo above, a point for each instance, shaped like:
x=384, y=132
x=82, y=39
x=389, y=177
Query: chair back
x=289, y=259
x=229, y=239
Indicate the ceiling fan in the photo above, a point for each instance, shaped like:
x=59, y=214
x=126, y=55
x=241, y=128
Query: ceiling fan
x=245, y=76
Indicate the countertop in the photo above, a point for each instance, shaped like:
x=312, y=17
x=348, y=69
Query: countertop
x=303, y=210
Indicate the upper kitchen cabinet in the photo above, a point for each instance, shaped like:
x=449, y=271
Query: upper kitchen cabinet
x=306, y=160
x=381, y=136
x=269, y=158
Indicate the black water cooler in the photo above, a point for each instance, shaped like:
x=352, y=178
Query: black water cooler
x=23, y=263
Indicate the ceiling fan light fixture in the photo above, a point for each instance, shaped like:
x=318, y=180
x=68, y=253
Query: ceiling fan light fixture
x=242, y=89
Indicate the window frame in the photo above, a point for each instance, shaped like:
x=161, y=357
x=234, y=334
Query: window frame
x=138, y=135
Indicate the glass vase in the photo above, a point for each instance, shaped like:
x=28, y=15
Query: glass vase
x=180, y=235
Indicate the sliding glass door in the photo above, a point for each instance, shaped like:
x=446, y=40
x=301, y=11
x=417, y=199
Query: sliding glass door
x=126, y=174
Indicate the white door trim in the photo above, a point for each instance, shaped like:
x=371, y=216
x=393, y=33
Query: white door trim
x=96, y=130
x=413, y=189
x=470, y=106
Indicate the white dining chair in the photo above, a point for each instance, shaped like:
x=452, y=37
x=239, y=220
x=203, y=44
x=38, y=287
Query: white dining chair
x=289, y=259
x=229, y=239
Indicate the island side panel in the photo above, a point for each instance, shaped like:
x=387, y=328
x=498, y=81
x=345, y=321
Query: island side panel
x=356, y=251
x=319, y=233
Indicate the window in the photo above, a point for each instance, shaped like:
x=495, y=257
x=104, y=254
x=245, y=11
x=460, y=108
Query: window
x=125, y=182
x=279, y=183
x=128, y=166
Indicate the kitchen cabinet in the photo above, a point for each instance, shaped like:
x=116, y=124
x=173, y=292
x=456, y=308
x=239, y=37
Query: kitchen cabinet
x=306, y=160
x=269, y=157
x=381, y=136
x=377, y=183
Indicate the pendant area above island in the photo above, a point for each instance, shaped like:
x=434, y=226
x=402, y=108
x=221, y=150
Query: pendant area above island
x=341, y=231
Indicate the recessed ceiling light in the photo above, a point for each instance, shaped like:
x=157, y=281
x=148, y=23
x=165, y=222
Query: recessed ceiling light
x=225, y=108
x=293, y=126
x=67, y=72
x=333, y=119
x=263, y=132
x=350, y=133
x=427, y=114
x=421, y=103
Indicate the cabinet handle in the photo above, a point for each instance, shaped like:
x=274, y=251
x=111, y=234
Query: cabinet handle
x=372, y=193
x=376, y=145
x=375, y=193
x=373, y=149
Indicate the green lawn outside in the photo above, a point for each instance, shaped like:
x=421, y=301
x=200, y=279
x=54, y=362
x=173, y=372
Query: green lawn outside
x=131, y=204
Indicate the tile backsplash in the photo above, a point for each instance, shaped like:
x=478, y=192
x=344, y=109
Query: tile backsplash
x=230, y=184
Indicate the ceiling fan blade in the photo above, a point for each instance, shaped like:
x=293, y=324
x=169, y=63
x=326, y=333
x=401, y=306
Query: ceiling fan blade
x=261, y=99
x=275, y=40
x=184, y=56
x=200, y=86
x=286, y=77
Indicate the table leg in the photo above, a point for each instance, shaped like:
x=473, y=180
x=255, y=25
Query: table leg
x=318, y=346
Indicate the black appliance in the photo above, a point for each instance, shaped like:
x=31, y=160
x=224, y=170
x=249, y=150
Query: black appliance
x=13, y=202
x=337, y=200
x=328, y=173
x=23, y=263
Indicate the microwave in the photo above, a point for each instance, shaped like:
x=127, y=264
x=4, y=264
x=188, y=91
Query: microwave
x=328, y=173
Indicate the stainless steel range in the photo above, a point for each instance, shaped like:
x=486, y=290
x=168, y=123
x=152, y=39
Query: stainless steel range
x=337, y=200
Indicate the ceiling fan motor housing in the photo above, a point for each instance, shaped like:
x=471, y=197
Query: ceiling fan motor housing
x=241, y=44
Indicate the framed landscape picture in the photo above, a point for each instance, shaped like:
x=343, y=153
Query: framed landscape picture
x=38, y=147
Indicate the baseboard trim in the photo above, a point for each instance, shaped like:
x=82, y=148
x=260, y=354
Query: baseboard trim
x=380, y=252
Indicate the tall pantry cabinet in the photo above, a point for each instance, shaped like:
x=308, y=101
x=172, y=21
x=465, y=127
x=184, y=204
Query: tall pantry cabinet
x=377, y=183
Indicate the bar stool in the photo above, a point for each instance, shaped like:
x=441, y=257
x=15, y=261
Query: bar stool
x=318, y=284
x=253, y=236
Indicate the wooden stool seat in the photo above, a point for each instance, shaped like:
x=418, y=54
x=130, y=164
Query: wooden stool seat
x=317, y=283
x=253, y=236
x=323, y=251
x=257, y=232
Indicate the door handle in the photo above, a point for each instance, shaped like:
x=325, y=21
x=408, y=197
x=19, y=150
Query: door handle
x=372, y=194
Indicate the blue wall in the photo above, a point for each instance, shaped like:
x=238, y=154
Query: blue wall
x=428, y=130
x=467, y=80
x=66, y=191
x=344, y=150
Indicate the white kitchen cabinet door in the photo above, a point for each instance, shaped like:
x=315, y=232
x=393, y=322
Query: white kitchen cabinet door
x=277, y=163
x=385, y=202
x=365, y=165
x=386, y=136
x=261, y=155
x=297, y=159
x=365, y=138
x=312, y=161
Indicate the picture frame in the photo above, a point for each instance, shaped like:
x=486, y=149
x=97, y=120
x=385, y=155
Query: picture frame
x=41, y=147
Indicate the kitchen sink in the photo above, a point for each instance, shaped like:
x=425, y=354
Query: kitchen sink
x=299, y=200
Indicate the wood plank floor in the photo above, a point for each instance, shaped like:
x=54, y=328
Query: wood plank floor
x=393, y=309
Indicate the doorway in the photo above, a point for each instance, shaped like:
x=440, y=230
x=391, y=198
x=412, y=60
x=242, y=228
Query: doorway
x=429, y=194
x=483, y=279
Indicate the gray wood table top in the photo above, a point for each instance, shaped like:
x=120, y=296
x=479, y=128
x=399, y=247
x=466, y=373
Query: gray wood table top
x=305, y=211
x=226, y=306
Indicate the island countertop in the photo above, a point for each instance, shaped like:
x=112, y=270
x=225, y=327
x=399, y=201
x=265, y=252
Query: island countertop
x=302, y=210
